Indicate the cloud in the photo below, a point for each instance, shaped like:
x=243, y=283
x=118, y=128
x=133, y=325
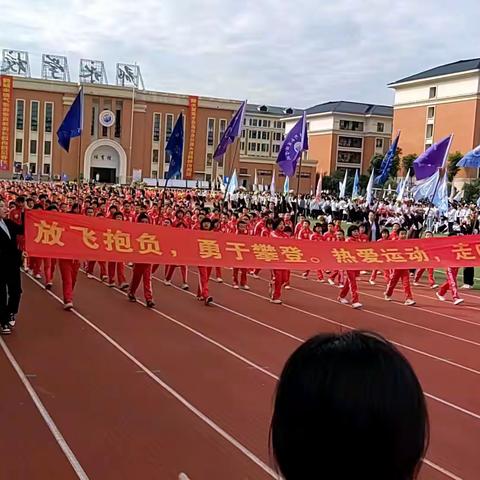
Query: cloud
x=270, y=51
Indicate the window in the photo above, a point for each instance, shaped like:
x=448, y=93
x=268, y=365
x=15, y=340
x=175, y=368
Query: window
x=258, y=147
x=253, y=147
x=431, y=112
x=266, y=123
x=168, y=132
x=20, y=114
x=252, y=134
x=379, y=143
x=47, y=147
x=432, y=93
x=222, y=127
x=48, y=117
x=210, y=131
x=427, y=146
x=154, y=174
x=156, y=127
x=429, y=133
x=208, y=177
x=32, y=168
x=350, y=142
x=33, y=147
x=277, y=136
x=94, y=124
x=18, y=145
x=46, y=169
x=349, y=157
x=118, y=121
x=34, y=116
x=254, y=122
x=243, y=171
x=380, y=127
x=155, y=155
x=265, y=135
x=351, y=125
x=209, y=159
x=264, y=147
x=242, y=146
x=243, y=133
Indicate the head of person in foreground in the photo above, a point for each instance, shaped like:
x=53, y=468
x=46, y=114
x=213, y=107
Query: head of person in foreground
x=349, y=407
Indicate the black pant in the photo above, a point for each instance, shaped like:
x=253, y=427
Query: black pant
x=468, y=274
x=10, y=293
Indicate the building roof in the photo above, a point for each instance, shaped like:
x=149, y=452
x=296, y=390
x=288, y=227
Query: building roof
x=253, y=109
x=351, y=107
x=447, y=69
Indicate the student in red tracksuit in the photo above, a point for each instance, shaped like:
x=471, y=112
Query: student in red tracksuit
x=339, y=237
x=171, y=268
x=419, y=273
x=217, y=227
x=35, y=263
x=385, y=235
x=142, y=272
x=400, y=274
x=69, y=271
x=315, y=236
x=241, y=230
x=49, y=264
x=117, y=267
x=265, y=231
x=280, y=277
x=204, y=272
x=304, y=233
x=450, y=284
x=90, y=212
x=350, y=283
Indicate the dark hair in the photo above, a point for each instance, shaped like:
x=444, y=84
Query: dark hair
x=142, y=216
x=351, y=229
x=276, y=222
x=385, y=230
x=349, y=406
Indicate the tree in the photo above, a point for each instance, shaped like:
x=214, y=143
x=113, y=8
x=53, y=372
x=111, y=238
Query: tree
x=407, y=162
x=471, y=191
x=452, y=165
x=375, y=163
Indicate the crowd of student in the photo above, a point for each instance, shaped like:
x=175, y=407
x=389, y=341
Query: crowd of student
x=243, y=214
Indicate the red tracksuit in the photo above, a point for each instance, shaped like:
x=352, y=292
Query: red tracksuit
x=386, y=273
x=203, y=277
x=281, y=277
x=119, y=268
x=142, y=271
x=49, y=265
x=350, y=281
x=102, y=265
x=69, y=272
x=450, y=283
x=404, y=275
x=242, y=271
x=419, y=273
x=171, y=270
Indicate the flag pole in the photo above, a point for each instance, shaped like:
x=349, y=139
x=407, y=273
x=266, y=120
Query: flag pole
x=131, y=126
x=230, y=169
x=79, y=160
x=298, y=187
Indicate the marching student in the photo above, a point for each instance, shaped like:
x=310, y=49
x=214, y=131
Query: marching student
x=385, y=235
x=316, y=236
x=241, y=230
x=339, y=237
x=90, y=212
x=117, y=267
x=400, y=274
x=350, y=283
x=280, y=276
x=142, y=272
x=170, y=269
x=204, y=272
x=450, y=284
x=419, y=273
x=49, y=264
x=264, y=231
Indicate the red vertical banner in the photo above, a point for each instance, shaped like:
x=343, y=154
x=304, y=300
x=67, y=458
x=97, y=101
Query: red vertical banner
x=6, y=105
x=192, y=111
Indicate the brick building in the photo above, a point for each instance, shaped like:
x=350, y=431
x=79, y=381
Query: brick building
x=432, y=104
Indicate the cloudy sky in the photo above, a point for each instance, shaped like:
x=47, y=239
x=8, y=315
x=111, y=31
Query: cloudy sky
x=293, y=53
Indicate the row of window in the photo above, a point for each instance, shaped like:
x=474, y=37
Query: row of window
x=258, y=122
x=34, y=116
x=358, y=126
x=47, y=147
x=117, y=108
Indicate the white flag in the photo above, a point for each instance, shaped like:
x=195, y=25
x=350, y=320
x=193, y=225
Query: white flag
x=370, y=188
x=343, y=185
x=255, y=182
x=319, y=187
x=402, y=187
x=272, y=185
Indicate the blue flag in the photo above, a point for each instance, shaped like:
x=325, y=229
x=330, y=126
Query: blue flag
x=286, y=185
x=233, y=130
x=387, y=162
x=434, y=189
x=471, y=159
x=72, y=123
x=175, y=148
x=432, y=159
x=294, y=144
x=356, y=184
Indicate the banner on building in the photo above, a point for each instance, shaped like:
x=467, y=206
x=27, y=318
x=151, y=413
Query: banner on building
x=137, y=175
x=192, y=111
x=6, y=107
x=60, y=235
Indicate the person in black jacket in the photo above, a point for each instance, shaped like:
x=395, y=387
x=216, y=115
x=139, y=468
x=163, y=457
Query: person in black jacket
x=10, y=263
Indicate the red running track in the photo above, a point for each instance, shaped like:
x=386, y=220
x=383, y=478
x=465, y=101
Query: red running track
x=115, y=391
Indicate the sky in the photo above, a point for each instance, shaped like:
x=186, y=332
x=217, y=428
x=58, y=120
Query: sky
x=297, y=53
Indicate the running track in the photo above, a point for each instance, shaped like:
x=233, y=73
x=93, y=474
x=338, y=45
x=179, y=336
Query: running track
x=115, y=391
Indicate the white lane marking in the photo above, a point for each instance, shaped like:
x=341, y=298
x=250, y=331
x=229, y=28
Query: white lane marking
x=183, y=476
x=225, y=435
x=441, y=469
x=62, y=443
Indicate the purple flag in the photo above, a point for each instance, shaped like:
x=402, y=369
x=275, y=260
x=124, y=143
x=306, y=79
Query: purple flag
x=233, y=130
x=294, y=144
x=432, y=159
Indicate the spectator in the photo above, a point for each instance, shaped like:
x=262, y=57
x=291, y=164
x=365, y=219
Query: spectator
x=349, y=407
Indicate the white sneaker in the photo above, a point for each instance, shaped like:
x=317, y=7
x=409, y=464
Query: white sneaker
x=357, y=305
x=38, y=276
x=277, y=301
x=89, y=275
x=331, y=282
x=104, y=278
x=167, y=283
x=416, y=284
x=254, y=275
x=409, y=302
x=305, y=276
x=235, y=286
x=387, y=298
x=343, y=301
x=321, y=280
x=440, y=297
x=185, y=286
x=372, y=282
x=466, y=287
x=458, y=301
x=288, y=287
x=246, y=287
x=219, y=280
x=68, y=306
x=340, y=285
x=111, y=284
x=434, y=286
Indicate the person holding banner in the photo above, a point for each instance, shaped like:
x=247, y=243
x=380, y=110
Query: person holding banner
x=280, y=276
x=117, y=267
x=241, y=230
x=204, y=273
x=350, y=282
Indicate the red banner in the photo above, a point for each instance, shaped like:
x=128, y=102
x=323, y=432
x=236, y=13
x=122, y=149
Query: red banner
x=60, y=235
x=192, y=108
x=6, y=102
